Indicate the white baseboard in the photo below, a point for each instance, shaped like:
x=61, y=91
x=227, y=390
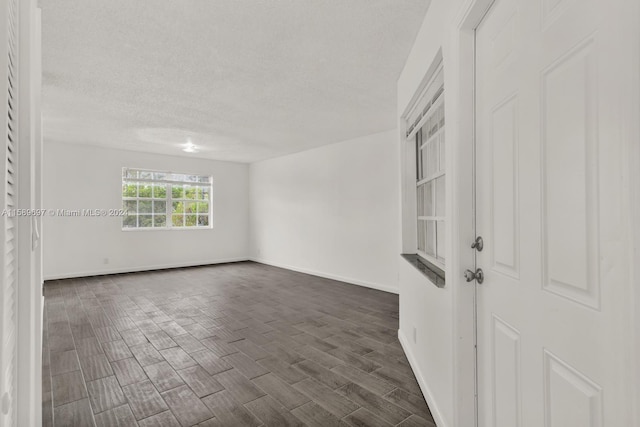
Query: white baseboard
x=349, y=280
x=428, y=395
x=138, y=269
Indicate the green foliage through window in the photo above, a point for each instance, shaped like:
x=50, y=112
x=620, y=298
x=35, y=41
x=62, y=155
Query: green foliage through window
x=151, y=198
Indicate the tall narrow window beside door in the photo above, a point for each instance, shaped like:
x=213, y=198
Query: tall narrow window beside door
x=426, y=131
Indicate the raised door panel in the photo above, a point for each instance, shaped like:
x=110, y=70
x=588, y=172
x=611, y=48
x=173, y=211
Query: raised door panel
x=570, y=178
x=571, y=399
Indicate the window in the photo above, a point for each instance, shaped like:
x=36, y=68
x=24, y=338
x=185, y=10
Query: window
x=154, y=199
x=426, y=131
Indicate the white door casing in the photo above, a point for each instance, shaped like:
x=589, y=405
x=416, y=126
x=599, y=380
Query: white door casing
x=29, y=311
x=554, y=311
x=20, y=293
x=8, y=266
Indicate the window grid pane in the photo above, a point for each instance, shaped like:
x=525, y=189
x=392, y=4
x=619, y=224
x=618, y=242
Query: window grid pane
x=203, y=220
x=145, y=220
x=440, y=241
x=430, y=238
x=145, y=206
x=439, y=196
x=159, y=220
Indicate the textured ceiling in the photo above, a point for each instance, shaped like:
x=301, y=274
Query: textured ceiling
x=244, y=80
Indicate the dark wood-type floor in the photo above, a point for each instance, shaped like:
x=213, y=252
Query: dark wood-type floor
x=231, y=345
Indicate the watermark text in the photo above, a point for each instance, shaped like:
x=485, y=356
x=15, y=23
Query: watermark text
x=64, y=212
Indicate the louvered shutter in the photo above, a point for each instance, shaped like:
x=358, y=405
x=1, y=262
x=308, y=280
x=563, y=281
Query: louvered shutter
x=8, y=292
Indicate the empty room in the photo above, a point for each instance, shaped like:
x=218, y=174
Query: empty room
x=270, y=213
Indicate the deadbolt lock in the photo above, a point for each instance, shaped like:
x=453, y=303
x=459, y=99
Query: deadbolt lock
x=478, y=244
x=478, y=275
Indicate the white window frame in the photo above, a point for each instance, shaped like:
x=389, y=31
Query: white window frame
x=429, y=104
x=172, y=178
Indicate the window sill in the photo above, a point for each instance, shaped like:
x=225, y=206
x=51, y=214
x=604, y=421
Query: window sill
x=145, y=229
x=433, y=273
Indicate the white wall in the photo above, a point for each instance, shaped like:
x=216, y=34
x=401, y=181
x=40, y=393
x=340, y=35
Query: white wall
x=441, y=353
x=331, y=211
x=84, y=177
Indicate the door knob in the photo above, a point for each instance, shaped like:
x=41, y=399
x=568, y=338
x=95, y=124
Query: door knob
x=478, y=275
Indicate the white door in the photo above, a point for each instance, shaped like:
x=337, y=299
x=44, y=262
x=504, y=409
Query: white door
x=8, y=290
x=553, y=310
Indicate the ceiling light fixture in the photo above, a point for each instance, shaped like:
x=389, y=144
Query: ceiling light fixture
x=190, y=147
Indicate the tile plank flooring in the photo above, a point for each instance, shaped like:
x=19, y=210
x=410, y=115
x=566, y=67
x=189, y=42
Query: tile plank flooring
x=239, y=344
